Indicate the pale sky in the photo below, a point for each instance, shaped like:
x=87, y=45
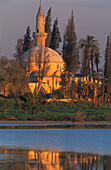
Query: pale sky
x=92, y=17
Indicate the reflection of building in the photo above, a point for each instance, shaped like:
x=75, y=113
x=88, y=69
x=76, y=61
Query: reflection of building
x=47, y=160
x=51, y=160
x=40, y=53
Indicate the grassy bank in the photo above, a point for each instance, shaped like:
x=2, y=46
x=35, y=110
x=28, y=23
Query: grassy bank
x=78, y=111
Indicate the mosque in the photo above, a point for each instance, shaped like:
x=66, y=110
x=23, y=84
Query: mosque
x=43, y=62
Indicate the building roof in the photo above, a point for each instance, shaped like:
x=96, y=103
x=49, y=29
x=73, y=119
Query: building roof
x=40, y=53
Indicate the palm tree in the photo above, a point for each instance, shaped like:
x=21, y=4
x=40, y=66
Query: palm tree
x=84, y=68
x=89, y=43
x=97, y=60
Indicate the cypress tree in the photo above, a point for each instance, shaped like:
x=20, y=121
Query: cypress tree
x=70, y=51
x=107, y=70
x=23, y=44
x=19, y=49
x=27, y=40
x=48, y=24
x=55, y=38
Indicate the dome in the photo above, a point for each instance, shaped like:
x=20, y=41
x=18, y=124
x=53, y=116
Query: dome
x=39, y=52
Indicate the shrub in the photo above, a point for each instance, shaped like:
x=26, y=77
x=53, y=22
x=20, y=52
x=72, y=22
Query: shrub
x=7, y=104
x=58, y=94
x=79, y=117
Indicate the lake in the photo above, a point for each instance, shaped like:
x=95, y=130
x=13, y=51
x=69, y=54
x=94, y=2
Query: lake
x=49, y=149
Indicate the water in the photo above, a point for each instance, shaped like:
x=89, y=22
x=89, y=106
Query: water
x=76, y=140
x=55, y=149
x=11, y=159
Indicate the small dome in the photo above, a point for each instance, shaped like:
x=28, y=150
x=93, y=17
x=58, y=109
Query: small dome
x=39, y=52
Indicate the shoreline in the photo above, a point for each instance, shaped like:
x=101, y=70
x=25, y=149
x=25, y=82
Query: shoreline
x=55, y=122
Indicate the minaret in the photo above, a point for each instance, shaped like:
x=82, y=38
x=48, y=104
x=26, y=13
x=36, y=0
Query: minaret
x=40, y=35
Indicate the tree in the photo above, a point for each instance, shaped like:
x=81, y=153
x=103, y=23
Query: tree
x=3, y=64
x=6, y=104
x=72, y=92
x=27, y=40
x=84, y=66
x=19, y=50
x=92, y=60
x=23, y=44
x=107, y=70
x=48, y=27
x=2, y=83
x=88, y=44
x=55, y=37
x=107, y=83
x=29, y=102
x=97, y=60
x=70, y=50
x=42, y=64
x=16, y=79
x=3, y=74
x=65, y=79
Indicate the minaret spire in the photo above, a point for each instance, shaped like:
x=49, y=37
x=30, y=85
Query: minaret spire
x=40, y=35
x=40, y=2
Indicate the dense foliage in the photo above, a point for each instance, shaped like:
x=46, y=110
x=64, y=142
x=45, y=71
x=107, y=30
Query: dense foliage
x=22, y=109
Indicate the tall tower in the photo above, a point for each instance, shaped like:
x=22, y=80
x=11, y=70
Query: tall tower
x=40, y=35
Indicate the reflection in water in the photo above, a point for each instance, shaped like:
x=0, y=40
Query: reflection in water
x=14, y=159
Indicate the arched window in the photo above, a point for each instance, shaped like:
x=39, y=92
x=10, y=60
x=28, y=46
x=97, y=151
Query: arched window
x=56, y=82
x=48, y=82
x=57, y=65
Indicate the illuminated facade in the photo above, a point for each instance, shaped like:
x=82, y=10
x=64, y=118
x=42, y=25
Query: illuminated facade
x=40, y=53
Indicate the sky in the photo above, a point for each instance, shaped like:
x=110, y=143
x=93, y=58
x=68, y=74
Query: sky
x=91, y=17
